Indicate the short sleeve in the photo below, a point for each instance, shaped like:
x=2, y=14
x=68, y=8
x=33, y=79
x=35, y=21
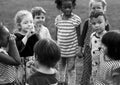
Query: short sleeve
x=57, y=19
x=76, y=20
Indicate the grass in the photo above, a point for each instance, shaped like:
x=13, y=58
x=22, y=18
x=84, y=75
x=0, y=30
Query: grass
x=8, y=9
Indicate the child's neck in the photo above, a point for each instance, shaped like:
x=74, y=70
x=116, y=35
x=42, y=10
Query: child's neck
x=65, y=17
x=100, y=33
x=46, y=70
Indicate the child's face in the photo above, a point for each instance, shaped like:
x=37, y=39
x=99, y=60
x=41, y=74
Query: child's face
x=5, y=39
x=67, y=8
x=27, y=23
x=39, y=19
x=97, y=6
x=98, y=24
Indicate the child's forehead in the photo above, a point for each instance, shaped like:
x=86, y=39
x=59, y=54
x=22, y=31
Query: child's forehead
x=27, y=16
x=40, y=14
x=97, y=4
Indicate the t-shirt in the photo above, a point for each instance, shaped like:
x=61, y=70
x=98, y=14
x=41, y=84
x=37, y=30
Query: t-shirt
x=44, y=32
x=7, y=72
x=66, y=34
x=39, y=78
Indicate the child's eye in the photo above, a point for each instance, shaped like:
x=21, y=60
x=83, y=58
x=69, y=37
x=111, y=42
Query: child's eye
x=93, y=23
x=98, y=7
x=42, y=17
x=99, y=22
x=38, y=17
x=25, y=22
x=93, y=8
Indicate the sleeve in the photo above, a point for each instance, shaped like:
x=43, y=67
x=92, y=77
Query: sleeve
x=78, y=31
x=84, y=31
x=56, y=20
x=48, y=33
x=19, y=43
x=56, y=29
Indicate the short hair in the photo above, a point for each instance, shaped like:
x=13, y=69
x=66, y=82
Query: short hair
x=19, y=16
x=59, y=3
x=37, y=11
x=95, y=14
x=112, y=41
x=104, y=3
x=47, y=52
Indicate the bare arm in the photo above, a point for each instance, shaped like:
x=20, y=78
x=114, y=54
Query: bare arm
x=13, y=51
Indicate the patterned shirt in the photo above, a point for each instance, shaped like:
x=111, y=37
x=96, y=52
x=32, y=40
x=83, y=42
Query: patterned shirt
x=107, y=66
x=7, y=72
x=95, y=44
x=66, y=34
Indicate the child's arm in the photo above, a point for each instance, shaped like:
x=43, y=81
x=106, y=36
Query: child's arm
x=84, y=32
x=28, y=34
x=19, y=43
x=56, y=33
x=78, y=31
x=13, y=51
x=6, y=59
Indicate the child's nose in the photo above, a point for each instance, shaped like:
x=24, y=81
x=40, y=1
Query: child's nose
x=96, y=24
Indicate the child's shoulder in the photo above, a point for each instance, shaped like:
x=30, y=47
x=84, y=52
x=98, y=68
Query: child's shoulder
x=76, y=17
x=58, y=17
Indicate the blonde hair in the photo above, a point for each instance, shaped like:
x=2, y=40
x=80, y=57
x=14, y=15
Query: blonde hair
x=19, y=16
x=104, y=3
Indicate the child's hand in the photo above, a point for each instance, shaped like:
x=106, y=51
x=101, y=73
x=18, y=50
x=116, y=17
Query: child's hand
x=30, y=32
x=79, y=52
x=30, y=63
x=12, y=38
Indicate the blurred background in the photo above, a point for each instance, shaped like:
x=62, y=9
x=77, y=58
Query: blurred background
x=8, y=9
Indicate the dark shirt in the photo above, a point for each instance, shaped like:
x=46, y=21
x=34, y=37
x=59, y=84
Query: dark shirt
x=39, y=78
x=26, y=50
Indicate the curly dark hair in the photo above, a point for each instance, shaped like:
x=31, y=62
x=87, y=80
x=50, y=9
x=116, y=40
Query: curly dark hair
x=112, y=41
x=59, y=3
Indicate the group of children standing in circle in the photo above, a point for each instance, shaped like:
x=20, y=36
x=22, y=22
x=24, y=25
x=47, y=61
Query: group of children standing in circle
x=32, y=48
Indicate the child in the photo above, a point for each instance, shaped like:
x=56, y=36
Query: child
x=68, y=38
x=25, y=37
x=98, y=6
x=47, y=54
x=9, y=57
x=109, y=59
x=38, y=14
x=25, y=33
x=98, y=23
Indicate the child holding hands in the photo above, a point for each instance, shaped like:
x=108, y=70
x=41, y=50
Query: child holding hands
x=68, y=38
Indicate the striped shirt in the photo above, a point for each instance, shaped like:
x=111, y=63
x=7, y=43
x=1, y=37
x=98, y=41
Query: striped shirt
x=66, y=34
x=7, y=72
